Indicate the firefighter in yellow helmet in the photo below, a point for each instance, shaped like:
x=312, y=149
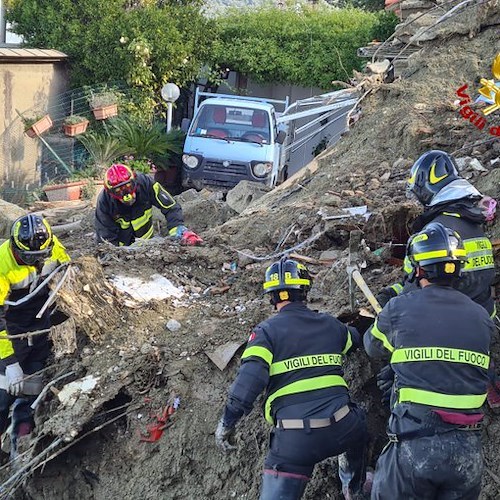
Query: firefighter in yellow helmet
x=26, y=259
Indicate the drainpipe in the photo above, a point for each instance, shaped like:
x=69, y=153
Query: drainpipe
x=3, y=23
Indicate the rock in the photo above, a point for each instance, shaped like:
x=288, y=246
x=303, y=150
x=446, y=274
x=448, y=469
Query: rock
x=331, y=200
x=402, y=164
x=146, y=348
x=374, y=184
x=379, y=68
x=462, y=162
x=173, y=325
x=330, y=255
x=8, y=214
x=189, y=195
x=475, y=164
x=385, y=176
x=244, y=260
x=244, y=193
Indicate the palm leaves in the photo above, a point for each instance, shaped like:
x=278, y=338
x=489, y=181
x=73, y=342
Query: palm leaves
x=103, y=148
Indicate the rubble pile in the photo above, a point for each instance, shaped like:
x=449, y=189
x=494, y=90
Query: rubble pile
x=149, y=375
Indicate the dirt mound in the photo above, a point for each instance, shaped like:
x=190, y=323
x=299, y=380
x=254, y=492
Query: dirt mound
x=144, y=355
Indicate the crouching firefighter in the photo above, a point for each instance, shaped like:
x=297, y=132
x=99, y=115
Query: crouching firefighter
x=296, y=356
x=438, y=342
x=124, y=209
x=26, y=260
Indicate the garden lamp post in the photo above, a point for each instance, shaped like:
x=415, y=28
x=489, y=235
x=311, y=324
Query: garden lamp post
x=170, y=93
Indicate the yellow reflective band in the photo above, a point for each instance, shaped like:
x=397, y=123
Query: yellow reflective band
x=6, y=348
x=398, y=287
x=142, y=220
x=494, y=313
x=16, y=237
x=479, y=254
x=433, y=178
x=452, y=401
x=293, y=281
x=158, y=189
x=122, y=223
x=310, y=384
x=259, y=352
x=381, y=336
x=413, y=178
x=407, y=267
x=49, y=239
x=450, y=214
x=59, y=253
x=311, y=361
x=415, y=354
x=148, y=234
x=459, y=252
x=348, y=343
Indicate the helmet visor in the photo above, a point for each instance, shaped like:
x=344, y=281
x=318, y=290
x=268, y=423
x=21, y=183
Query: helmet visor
x=34, y=257
x=122, y=191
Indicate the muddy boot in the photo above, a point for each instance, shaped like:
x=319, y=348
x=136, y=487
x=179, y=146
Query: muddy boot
x=282, y=486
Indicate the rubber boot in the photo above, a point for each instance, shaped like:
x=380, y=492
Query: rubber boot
x=282, y=486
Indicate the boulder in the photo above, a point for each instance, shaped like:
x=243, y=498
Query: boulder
x=8, y=214
x=244, y=193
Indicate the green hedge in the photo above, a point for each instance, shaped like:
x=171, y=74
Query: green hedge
x=309, y=48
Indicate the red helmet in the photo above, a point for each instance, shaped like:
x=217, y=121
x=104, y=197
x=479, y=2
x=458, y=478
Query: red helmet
x=119, y=182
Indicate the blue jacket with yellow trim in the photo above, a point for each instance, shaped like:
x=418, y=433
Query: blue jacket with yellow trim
x=438, y=342
x=297, y=357
x=121, y=224
x=479, y=272
x=16, y=281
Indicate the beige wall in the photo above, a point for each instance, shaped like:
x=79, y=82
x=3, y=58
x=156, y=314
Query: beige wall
x=24, y=86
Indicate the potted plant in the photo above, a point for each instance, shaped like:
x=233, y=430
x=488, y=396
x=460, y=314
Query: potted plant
x=104, y=104
x=74, y=125
x=36, y=125
x=64, y=191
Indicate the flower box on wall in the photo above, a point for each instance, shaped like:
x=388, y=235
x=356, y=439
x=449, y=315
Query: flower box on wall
x=76, y=128
x=68, y=191
x=105, y=112
x=39, y=127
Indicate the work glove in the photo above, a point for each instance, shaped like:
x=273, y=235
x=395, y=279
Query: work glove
x=223, y=435
x=177, y=232
x=385, y=295
x=15, y=379
x=385, y=381
x=190, y=238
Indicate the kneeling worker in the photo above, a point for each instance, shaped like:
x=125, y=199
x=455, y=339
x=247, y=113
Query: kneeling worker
x=438, y=342
x=124, y=209
x=296, y=356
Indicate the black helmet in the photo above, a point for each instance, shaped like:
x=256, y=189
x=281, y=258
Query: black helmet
x=429, y=174
x=31, y=239
x=287, y=280
x=439, y=251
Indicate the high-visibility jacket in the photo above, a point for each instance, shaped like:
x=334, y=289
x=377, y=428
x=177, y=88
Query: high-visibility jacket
x=121, y=224
x=438, y=343
x=479, y=271
x=297, y=357
x=17, y=281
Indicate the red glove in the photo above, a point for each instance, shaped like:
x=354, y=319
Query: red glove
x=190, y=238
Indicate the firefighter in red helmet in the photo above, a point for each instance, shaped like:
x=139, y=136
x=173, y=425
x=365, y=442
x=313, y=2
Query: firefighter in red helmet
x=124, y=209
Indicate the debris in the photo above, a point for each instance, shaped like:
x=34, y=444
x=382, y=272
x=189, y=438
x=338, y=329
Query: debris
x=349, y=212
x=157, y=288
x=310, y=260
x=244, y=193
x=224, y=353
x=173, y=325
x=155, y=431
x=70, y=393
x=8, y=214
x=475, y=164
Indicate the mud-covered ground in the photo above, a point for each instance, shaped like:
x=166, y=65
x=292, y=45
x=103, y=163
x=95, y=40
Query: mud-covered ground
x=142, y=365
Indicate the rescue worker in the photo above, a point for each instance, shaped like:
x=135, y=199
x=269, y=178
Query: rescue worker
x=26, y=260
x=124, y=209
x=454, y=202
x=438, y=342
x=296, y=356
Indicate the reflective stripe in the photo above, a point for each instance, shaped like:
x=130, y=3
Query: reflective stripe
x=415, y=354
x=311, y=361
x=439, y=253
x=397, y=287
x=149, y=234
x=122, y=223
x=479, y=254
x=348, y=343
x=310, y=384
x=381, y=336
x=260, y=352
x=290, y=281
x=407, y=267
x=163, y=197
x=6, y=348
x=142, y=220
x=494, y=313
x=450, y=214
x=453, y=401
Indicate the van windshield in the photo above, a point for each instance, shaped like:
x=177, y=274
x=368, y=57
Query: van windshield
x=232, y=122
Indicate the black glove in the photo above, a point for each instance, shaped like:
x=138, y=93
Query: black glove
x=385, y=381
x=385, y=295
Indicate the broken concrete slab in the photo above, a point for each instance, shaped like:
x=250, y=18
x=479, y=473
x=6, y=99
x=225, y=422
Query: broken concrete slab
x=223, y=354
x=245, y=193
x=8, y=214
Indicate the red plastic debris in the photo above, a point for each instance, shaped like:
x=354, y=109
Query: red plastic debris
x=155, y=431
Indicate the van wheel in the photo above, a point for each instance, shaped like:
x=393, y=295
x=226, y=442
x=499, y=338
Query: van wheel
x=283, y=175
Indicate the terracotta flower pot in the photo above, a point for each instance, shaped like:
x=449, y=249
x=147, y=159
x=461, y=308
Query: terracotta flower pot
x=39, y=127
x=105, y=112
x=76, y=128
x=69, y=191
